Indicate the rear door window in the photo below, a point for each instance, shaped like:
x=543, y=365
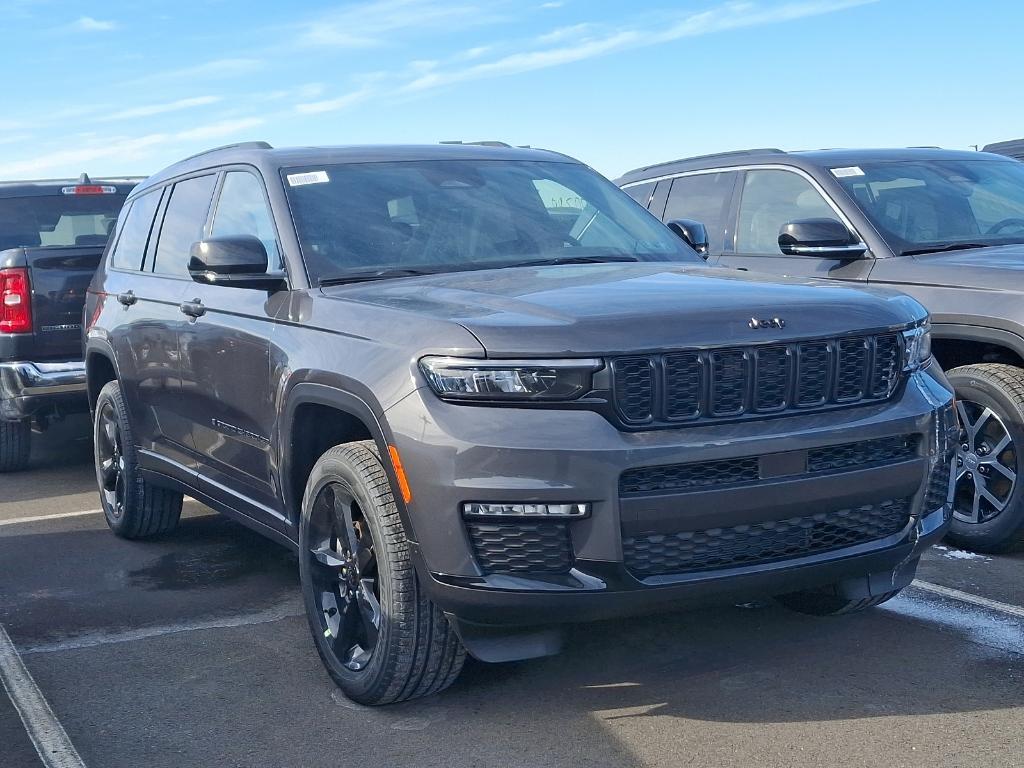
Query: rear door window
x=703, y=197
x=659, y=198
x=131, y=244
x=640, y=192
x=183, y=224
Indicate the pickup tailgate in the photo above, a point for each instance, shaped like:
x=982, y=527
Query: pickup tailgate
x=59, y=278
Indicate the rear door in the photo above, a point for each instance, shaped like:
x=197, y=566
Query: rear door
x=704, y=197
x=148, y=342
x=770, y=198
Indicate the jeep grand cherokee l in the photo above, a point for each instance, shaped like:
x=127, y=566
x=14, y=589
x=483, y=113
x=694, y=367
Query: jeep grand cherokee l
x=482, y=393
x=946, y=227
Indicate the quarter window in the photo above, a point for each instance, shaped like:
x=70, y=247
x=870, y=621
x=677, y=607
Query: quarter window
x=183, y=224
x=131, y=244
x=242, y=210
x=770, y=199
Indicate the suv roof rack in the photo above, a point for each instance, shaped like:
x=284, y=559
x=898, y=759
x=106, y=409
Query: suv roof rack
x=239, y=145
x=734, y=153
x=489, y=143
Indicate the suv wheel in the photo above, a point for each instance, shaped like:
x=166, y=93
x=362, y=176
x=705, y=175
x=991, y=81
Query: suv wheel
x=133, y=507
x=380, y=638
x=15, y=444
x=988, y=508
x=825, y=604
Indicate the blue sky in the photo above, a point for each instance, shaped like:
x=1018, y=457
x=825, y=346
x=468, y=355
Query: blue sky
x=112, y=87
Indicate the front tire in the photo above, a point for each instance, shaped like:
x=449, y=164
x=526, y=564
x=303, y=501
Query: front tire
x=826, y=603
x=134, y=508
x=380, y=638
x=15, y=445
x=988, y=500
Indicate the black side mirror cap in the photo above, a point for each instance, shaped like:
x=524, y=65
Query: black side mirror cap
x=693, y=233
x=237, y=261
x=822, y=237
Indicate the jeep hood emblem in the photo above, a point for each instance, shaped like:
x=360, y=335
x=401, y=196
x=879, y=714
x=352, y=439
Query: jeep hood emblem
x=775, y=322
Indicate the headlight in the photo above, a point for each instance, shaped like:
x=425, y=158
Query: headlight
x=457, y=378
x=918, y=344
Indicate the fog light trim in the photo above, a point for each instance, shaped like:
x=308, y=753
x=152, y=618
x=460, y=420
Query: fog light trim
x=521, y=510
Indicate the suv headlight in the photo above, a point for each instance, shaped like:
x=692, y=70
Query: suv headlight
x=918, y=344
x=455, y=378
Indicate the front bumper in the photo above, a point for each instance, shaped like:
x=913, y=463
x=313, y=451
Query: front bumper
x=27, y=388
x=454, y=454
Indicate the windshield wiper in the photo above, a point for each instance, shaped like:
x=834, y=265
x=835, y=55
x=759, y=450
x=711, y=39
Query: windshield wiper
x=572, y=260
x=380, y=274
x=947, y=247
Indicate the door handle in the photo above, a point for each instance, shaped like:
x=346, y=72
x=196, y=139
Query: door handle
x=193, y=308
x=127, y=298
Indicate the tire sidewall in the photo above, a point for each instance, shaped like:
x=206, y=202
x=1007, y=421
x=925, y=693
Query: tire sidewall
x=331, y=469
x=111, y=394
x=982, y=390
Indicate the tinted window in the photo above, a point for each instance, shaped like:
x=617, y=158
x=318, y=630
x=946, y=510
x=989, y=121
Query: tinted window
x=131, y=244
x=242, y=210
x=57, y=220
x=927, y=204
x=451, y=215
x=640, y=192
x=660, y=197
x=704, y=198
x=183, y=224
x=770, y=199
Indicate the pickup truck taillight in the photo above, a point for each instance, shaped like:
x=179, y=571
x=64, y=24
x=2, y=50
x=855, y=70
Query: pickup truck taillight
x=15, y=301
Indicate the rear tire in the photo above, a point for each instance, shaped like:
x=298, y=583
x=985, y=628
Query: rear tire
x=15, y=445
x=826, y=604
x=134, y=508
x=380, y=638
x=990, y=401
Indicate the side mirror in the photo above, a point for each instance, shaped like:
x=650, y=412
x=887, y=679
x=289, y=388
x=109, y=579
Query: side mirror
x=693, y=234
x=824, y=238
x=238, y=261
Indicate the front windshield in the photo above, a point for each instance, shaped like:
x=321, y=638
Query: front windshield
x=381, y=219
x=930, y=205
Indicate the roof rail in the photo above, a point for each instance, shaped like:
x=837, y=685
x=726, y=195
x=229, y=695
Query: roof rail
x=239, y=145
x=734, y=153
x=487, y=144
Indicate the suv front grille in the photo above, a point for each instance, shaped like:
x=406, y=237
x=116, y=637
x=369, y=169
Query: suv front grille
x=748, y=381
x=765, y=542
x=520, y=547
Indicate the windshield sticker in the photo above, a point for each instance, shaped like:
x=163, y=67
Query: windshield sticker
x=851, y=170
x=313, y=177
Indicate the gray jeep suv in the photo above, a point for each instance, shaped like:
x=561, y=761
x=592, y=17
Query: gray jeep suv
x=481, y=393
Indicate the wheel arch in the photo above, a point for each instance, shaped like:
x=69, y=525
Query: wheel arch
x=338, y=417
x=956, y=345
x=100, y=368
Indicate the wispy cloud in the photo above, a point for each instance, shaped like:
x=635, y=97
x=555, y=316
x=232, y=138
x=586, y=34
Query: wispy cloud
x=732, y=15
x=334, y=105
x=158, y=109
x=219, y=130
x=374, y=23
x=89, y=24
x=217, y=69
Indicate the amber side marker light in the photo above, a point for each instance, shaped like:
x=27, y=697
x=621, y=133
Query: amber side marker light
x=403, y=482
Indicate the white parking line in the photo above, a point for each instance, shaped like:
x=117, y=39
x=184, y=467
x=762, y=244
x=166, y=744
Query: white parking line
x=54, y=516
x=967, y=597
x=48, y=736
x=285, y=610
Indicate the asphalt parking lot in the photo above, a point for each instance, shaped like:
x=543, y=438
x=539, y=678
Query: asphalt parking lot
x=192, y=651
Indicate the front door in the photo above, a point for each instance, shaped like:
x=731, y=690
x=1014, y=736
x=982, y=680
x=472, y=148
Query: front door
x=768, y=199
x=226, y=364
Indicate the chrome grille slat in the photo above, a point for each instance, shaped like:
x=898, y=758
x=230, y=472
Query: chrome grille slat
x=734, y=382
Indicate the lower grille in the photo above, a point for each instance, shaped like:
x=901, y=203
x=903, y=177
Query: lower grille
x=937, y=494
x=766, y=542
x=885, y=450
x=520, y=547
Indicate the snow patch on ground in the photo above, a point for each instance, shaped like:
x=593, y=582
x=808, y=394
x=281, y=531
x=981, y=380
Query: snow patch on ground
x=959, y=554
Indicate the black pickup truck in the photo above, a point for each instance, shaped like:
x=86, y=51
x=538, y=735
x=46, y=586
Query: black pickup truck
x=946, y=227
x=52, y=234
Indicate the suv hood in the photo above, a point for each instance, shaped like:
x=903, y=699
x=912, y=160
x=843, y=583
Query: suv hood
x=998, y=268
x=591, y=309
